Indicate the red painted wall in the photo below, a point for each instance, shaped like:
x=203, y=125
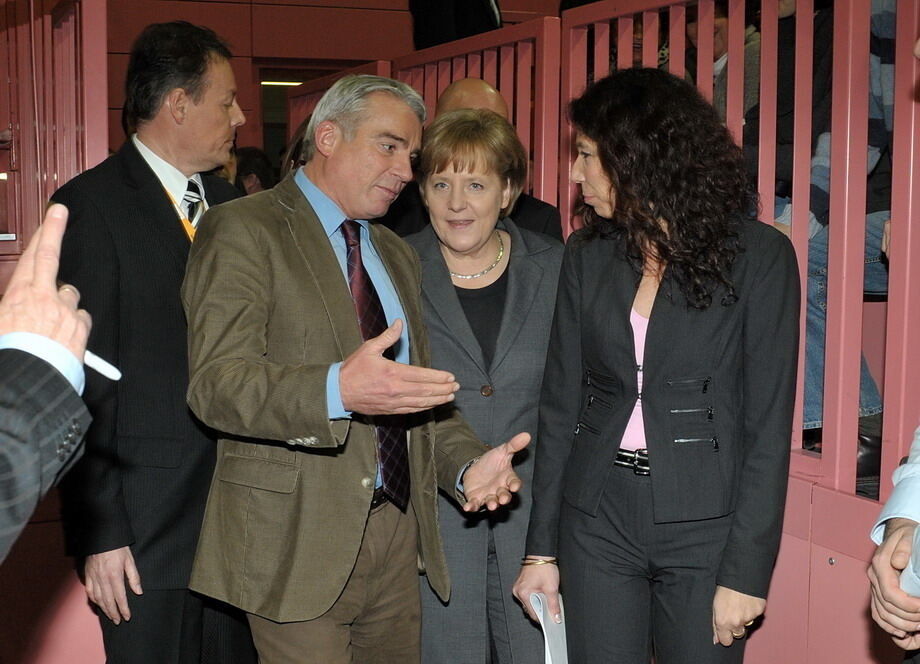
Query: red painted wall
x=272, y=32
x=265, y=32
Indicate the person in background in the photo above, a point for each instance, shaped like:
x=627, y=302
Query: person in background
x=42, y=340
x=878, y=199
x=720, y=57
x=293, y=155
x=675, y=338
x=488, y=289
x=254, y=171
x=133, y=505
x=228, y=170
x=407, y=214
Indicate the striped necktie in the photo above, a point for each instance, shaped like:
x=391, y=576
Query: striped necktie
x=392, y=452
x=193, y=203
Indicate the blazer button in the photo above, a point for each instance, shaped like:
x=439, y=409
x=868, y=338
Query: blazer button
x=486, y=390
x=367, y=483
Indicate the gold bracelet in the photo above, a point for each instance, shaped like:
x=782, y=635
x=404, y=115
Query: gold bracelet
x=535, y=561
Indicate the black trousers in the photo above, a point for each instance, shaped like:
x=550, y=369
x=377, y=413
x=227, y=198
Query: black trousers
x=178, y=627
x=632, y=587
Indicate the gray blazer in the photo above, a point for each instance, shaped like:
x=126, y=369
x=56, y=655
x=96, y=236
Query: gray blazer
x=458, y=632
x=43, y=424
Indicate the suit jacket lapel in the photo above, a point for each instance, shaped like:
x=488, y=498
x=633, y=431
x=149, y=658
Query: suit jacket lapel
x=442, y=298
x=157, y=217
x=668, y=314
x=524, y=277
x=321, y=262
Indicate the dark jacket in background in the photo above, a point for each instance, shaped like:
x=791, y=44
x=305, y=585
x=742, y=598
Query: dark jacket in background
x=440, y=21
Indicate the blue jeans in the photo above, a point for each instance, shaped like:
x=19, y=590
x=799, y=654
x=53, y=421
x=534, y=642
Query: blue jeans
x=875, y=281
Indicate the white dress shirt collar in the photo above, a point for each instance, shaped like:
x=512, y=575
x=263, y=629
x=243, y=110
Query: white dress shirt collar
x=172, y=179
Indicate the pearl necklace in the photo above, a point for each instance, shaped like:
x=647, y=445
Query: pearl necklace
x=498, y=259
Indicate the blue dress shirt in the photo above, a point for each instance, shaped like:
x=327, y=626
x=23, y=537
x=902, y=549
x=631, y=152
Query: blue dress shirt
x=904, y=501
x=331, y=217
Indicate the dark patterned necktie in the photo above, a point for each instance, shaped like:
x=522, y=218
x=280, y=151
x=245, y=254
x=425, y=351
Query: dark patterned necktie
x=391, y=432
x=193, y=202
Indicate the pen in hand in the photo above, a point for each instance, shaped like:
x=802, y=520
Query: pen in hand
x=93, y=361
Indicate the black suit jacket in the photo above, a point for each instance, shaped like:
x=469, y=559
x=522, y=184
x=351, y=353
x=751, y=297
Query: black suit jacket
x=440, y=21
x=407, y=214
x=43, y=424
x=717, y=398
x=145, y=475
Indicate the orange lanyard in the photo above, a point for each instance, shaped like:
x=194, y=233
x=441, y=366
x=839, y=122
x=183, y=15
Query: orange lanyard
x=186, y=223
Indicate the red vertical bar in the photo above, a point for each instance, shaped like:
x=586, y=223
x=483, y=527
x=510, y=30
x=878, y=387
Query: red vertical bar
x=766, y=167
x=601, y=49
x=523, y=90
x=574, y=76
x=650, y=23
x=490, y=66
x=48, y=89
x=624, y=42
x=458, y=68
x=417, y=75
x=443, y=75
x=677, y=41
x=902, y=352
x=546, y=112
x=705, y=28
x=474, y=65
x=430, y=92
x=734, y=93
x=847, y=238
x=506, y=75
x=801, y=176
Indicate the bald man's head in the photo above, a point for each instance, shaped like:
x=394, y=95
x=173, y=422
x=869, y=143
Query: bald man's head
x=471, y=93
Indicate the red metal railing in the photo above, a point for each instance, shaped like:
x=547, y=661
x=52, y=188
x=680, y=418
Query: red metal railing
x=902, y=358
x=522, y=62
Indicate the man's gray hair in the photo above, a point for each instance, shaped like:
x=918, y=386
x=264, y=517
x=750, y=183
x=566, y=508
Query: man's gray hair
x=345, y=102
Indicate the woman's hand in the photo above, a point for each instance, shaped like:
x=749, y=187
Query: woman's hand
x=732, y=613
x=539, y=579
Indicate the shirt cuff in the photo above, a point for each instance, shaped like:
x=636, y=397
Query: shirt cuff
x=466, y=467
x=51, y=352
x=334, y=396
x=902, y=504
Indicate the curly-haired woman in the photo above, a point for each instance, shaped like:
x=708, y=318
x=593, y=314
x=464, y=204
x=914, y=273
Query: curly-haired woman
x=666, y=412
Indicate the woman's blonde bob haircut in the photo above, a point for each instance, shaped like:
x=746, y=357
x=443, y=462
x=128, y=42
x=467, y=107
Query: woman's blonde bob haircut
x=474, y=139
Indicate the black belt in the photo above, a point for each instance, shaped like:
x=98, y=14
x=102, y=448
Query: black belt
x=635, y=459
x=379, y=498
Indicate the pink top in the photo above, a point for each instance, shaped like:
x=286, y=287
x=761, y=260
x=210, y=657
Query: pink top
x=634, y=436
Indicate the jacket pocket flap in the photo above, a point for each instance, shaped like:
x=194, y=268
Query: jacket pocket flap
x=258, y=474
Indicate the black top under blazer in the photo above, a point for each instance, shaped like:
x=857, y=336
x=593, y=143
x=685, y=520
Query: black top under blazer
x=144, y=478
x=717, y=399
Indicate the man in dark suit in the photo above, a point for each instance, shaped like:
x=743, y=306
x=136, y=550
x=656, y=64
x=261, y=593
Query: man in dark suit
x=42, y=340
x=323, y=504
x=407, y=214
x=133, y=506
